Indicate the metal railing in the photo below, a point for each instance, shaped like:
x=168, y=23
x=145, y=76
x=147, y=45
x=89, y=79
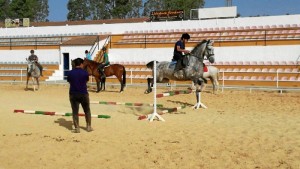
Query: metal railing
x=22, y=76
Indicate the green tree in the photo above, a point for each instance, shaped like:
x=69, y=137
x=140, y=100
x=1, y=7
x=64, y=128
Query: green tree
x=42, y=11
x=120, y=8
x=4, y=9
x=136, y=8
x=78, y=10
x=98, y=10
x=108, y=9
x=23, y=9
x=152, y=5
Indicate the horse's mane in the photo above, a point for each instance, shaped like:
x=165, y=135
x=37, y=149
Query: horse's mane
x=197, y=46
x=91, y=61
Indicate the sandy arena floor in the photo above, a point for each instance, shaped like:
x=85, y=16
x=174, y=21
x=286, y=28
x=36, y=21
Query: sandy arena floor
x=258, y=130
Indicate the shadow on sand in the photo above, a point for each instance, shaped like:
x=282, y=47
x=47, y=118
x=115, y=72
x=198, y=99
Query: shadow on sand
x=64, y=123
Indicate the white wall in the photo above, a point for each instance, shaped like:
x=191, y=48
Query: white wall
x=49, y=55
x=244, y=53
x=258, y=53
x=120, y=28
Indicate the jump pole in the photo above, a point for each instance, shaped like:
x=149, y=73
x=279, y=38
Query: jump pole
x=56, y=113
x=154, y=114
x=172, y=93
x=169, y=110
x=124, y=103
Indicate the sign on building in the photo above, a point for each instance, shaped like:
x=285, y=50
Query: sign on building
x=167, y=15
x=9, y=23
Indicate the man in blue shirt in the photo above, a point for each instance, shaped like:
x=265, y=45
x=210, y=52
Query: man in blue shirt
x=78, y=94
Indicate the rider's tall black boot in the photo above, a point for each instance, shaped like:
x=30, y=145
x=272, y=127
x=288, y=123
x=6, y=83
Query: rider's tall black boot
x=102, y=74
x=41, y=68
x=178, y=67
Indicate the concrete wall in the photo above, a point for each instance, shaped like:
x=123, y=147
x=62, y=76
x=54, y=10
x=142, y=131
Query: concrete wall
x=245, y=53
x=49, y=55
x=120, y=28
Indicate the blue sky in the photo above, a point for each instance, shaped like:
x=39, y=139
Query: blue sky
x=58, y=8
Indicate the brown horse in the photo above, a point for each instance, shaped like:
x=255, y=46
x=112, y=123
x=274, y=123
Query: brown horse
x=113, y=69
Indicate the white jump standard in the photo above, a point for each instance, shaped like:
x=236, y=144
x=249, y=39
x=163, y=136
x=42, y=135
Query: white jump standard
x=199, y=103
x=154, y=114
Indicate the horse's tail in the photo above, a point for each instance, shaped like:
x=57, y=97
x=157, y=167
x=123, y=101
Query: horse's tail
x=218, y=74
x=217, y=80
x=151, y=64
x=124, y=76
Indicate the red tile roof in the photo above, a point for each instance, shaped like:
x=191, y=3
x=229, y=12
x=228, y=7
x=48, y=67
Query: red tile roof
x=83, y=40
x=86, y=22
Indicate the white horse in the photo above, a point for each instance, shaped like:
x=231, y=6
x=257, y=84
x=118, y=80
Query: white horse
x=211, y=74
x=33, y=71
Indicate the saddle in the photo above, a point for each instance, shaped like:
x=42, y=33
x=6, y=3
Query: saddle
x=173, y=62
x=184, y=62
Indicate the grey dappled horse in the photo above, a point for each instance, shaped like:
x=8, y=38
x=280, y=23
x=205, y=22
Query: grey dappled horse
x=33, y=71
x=193, y=70
x=212, y=74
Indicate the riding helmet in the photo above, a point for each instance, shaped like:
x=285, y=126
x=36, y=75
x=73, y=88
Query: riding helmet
x=31, y=51
x=104, y=48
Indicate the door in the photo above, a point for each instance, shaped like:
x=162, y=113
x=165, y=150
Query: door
x=66, y=65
